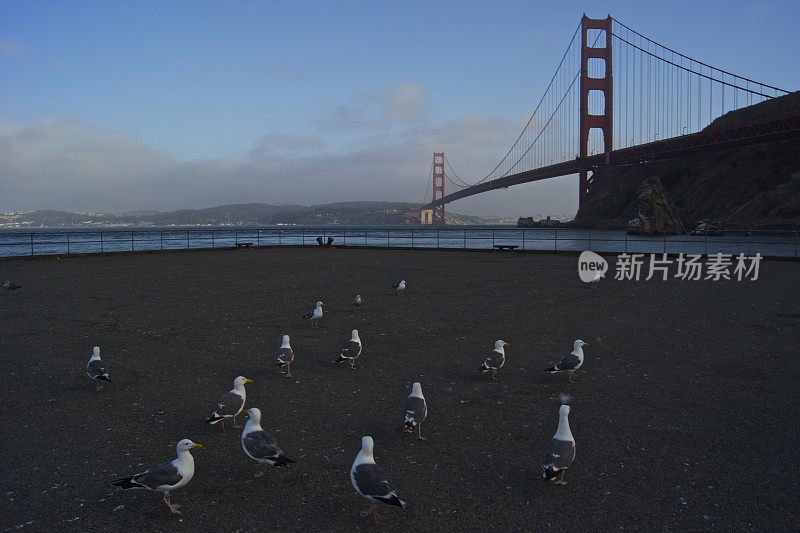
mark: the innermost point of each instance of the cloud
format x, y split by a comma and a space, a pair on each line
286, 144
391, 107
12, 48
66, 164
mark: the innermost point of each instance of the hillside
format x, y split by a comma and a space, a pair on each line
751, 186
344, 213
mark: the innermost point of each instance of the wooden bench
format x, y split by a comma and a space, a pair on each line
243, 244
502, 247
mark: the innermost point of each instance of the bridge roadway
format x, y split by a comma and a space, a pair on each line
707, 141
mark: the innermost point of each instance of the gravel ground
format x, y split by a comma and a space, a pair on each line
685, 417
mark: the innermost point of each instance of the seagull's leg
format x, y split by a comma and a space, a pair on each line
368, 511
561, 478
99, 386
494, 375
222, 426
260, 471
173, 507
376, 516
419, 432
288, 370
234, 423
352, 364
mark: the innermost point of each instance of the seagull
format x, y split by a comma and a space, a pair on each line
285, 356
399, 287
369, 480
11, 286
314, 315
495, 360
416, 410
95, 369
231, 403
570, 362
357, 301
351, 351
259, 445
167, 476
561, 451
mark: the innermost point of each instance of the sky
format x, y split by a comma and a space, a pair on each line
117, 106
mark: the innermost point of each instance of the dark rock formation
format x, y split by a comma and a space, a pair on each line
653, 211
750, 187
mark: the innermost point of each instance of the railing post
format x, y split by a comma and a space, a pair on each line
437, 238
749, 238
280, 242
555, 239
68, 243
388, 242
705, 245
235, 236
101, 242
664, 247
412, 237
465, 238
31, 243
161, 240
304, 236
132, 246
626, 241
492, 238
213, 242
523, 239
345, 237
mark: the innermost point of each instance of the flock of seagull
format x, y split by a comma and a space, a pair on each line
368, 479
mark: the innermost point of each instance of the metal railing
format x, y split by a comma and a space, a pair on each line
59, 242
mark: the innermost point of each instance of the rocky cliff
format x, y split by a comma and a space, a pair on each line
753, 186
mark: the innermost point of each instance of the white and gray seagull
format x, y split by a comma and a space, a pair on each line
561, 451
357, 301
399, 287
231, 403
495, 360
314, 315
416, 411
259, 445
167, 476
351, 350
95, 369
570, 362
285, 356
370, 482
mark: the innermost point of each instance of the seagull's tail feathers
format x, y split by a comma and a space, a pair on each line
214, 419
483, 368
104, 377
392, 499
410, 423
309, 315
128, 483
341, 359
549, 472
282, 460
552, 369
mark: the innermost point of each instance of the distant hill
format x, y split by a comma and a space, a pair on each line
753, 186
342, 213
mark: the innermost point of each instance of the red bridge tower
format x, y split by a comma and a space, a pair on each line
602, 84
438, 187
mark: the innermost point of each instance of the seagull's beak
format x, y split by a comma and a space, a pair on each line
586, 344
248, 381
506, 343
197, 445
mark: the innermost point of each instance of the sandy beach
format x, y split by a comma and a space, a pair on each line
685, 413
